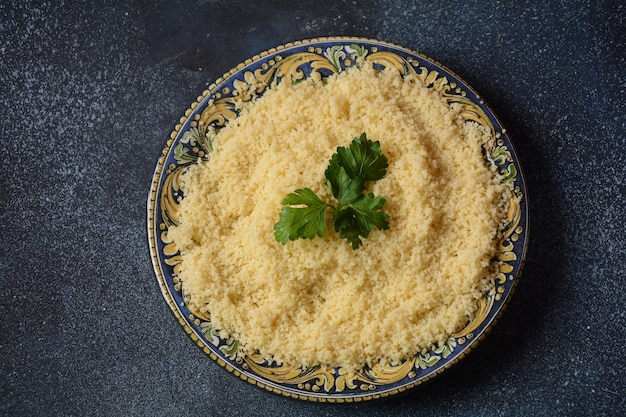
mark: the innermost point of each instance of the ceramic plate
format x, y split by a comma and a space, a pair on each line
215, 107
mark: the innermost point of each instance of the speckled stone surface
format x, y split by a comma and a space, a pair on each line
88, 96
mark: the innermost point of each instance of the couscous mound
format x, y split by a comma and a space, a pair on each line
319, 302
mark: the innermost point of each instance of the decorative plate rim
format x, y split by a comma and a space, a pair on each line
305, 391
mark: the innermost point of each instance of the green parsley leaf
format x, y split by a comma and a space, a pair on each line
305, 220
363, 159
359, 218
368, 213
345, 189
344, 224
355, 214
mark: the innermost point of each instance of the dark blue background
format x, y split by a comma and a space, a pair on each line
90, 93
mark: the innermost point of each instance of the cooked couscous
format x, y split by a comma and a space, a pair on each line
319, 302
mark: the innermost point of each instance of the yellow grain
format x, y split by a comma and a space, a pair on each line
319, 302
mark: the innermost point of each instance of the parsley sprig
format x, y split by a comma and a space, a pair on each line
355, 213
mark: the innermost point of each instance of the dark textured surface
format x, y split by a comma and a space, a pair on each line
88, 96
